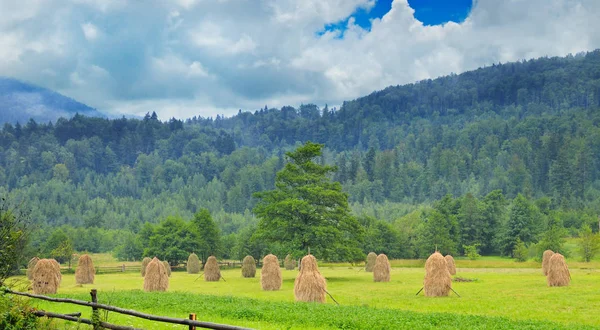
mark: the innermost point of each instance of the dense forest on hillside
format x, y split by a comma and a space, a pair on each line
483, 158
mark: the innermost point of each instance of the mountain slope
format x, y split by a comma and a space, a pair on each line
20, 101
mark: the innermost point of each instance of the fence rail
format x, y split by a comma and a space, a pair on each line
97, 324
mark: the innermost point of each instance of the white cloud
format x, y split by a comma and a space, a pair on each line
90, 31
193, 57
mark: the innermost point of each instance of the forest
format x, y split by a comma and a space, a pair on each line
491, 161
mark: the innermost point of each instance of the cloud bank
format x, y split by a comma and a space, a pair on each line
197, 57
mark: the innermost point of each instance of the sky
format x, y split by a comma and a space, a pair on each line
184, 58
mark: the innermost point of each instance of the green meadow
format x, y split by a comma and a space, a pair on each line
496, 298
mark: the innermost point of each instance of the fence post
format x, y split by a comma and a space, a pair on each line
123, 268
95, 313
192, 317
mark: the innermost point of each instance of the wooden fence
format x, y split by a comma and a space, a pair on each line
96, 323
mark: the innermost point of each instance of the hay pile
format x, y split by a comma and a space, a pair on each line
212, 273
30, 266
145, 263
289, 263
156, 277
371, 258
310, 285
85, 272
545, 259
437, 277
558, 272
167, 267
270, 275
451, 264
382, 268
248, 267
45, 277
193, 264
56, 266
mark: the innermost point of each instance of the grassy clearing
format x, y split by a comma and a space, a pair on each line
506, 298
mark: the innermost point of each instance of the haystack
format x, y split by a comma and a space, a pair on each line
310, 285
212, 273
451, 264
437, 277
56, 266
248, 267
558, 272
371, 258
382, 268
30, 266
167, 267
545, 259
45, 277
270, 274
145, 263
156, 277
193, 264
289, 263
85, 272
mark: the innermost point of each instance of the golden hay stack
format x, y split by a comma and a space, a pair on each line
289, 263
193, 264
310, 285
558, 272
44, 277
545, 259
212, 273
371, 258
30, 266
56, 266
382, 269
270, 274
145, 263
85, 272
451, 264
167, 267
437, 277
248, 267
156, 277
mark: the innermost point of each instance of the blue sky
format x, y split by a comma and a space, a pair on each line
184, 58
429, 12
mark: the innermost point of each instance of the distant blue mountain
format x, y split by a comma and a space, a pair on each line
20, 101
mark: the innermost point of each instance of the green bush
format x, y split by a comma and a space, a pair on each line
471, 251
520, 251
15, 314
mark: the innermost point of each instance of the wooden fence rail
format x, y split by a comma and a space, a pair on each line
95, 306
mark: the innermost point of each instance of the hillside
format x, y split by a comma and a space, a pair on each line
517, 136
20, 101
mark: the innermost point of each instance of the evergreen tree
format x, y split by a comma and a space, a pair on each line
309, 211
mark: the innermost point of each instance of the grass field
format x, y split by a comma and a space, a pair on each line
498, 298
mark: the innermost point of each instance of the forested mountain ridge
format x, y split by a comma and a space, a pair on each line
514, 137
20, 101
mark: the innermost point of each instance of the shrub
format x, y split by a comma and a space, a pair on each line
471, 251
520, 251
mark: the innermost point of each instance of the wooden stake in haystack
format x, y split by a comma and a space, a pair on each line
212, 273
31, 266
545, 259
270, 274
248, 267
85, 272
558, 272
438, 281
289, 263
310, 285
145, 263
371, 258
193, 264
382, 269
156, 277
45, 279
451, 264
